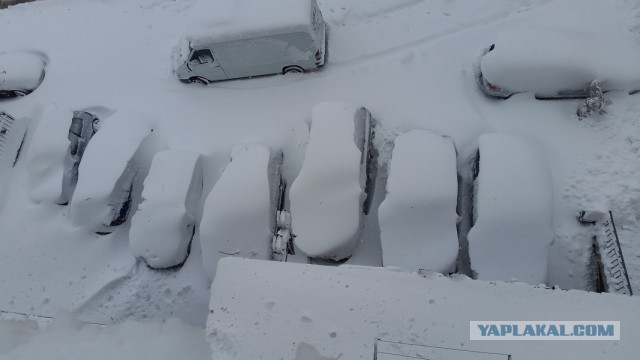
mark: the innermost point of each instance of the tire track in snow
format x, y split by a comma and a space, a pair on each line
487, 20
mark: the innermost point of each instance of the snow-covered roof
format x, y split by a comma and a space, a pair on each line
514, 206
261, 308
548, 60
326, 197
418, 215
20, 71
218, 20
239, 217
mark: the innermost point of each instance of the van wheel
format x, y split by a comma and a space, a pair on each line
199, 80
293, 70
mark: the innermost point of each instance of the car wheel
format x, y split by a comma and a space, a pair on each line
293, 70
199, 80
20, 93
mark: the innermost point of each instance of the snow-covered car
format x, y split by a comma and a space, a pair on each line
103, 195
20, 73
558, 64
512, 210
333, 189
418, 215
239, 215
162, 228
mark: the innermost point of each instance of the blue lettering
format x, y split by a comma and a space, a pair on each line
505, 329
540, 330
553, 330
578, 330
608, 331
483, 329
493, 330
529, 331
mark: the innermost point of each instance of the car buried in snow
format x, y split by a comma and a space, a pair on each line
334, 188
512, 210
558, 64
20, 73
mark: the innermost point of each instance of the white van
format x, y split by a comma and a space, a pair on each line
253, 38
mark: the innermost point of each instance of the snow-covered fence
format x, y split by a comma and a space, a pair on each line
394, 350
12, 134
612, 268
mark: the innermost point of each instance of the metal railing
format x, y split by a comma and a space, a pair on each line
396, 350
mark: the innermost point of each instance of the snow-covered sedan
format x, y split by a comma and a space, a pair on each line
20, 73
328, 197
559, 64
162, 229
512, 210
239, 215
418, 215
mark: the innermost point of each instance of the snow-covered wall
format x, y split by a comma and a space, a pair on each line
262, 309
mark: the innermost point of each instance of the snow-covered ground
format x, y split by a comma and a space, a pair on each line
410, 62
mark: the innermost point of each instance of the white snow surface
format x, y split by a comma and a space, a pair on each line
68, 339
238, 217
512, 233
326, 197
418, 215
45, 158
225, 20
20, 70
548, 60
105, 160
413, 67
163, 226
339, 311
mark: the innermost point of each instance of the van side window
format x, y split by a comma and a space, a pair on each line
202, 56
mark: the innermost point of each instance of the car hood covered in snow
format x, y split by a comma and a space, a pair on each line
547, 61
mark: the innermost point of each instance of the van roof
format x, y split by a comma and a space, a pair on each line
220, 20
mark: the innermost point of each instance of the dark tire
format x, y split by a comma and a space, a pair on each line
199, 80
20, 93
294, 69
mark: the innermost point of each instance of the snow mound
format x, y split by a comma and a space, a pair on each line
239, 214
418, 215
20, 71
513, 206
327, 195
105, 175
212, 21
549, 60
162, 228
47, 153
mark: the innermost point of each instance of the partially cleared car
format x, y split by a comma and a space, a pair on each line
20, 73
556, 64
333, 190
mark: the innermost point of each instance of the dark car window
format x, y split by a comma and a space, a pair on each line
203, 56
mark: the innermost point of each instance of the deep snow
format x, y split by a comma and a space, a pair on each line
410, 62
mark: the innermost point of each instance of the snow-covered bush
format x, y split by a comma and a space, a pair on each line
595, 103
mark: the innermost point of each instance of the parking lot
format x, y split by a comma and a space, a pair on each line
412, 64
